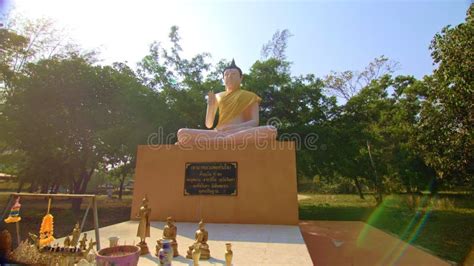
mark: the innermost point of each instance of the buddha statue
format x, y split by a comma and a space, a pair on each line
169, 233
238, 115
143, 230
200, 237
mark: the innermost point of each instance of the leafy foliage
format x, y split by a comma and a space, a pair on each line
447, 116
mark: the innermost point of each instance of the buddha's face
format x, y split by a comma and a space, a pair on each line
232, 78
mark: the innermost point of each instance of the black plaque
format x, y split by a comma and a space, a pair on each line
216, 178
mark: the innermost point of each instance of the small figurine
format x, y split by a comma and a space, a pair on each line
83, 242
169, 233
200, 237
67, 242
228, 254
144, 225
91, 245
76, 233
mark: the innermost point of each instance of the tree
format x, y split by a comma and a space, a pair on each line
276, 47
180, 83
11, 44
445, 131
363, 136
407, 164
348, 83
136, 109
69, 116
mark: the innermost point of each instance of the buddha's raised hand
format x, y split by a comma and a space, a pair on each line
211, 98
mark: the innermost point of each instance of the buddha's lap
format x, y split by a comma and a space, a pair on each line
217, 132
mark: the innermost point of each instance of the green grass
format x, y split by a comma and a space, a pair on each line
447, 230
8, 185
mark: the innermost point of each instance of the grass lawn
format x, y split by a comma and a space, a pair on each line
444, 226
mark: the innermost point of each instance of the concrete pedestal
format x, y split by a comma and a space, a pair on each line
266, 184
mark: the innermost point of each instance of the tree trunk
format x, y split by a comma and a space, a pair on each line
55, 188
76, 202
122, 180
378, 183
413, 201
80, 188
33, 187
434, 186
45, 188
20, 187
359, 189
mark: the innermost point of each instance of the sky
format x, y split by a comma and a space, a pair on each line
327, 35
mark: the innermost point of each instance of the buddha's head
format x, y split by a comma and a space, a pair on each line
145, 201
232, 76
201, 224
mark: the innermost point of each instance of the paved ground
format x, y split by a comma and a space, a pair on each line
356, 243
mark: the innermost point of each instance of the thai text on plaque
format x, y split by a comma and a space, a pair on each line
210, 178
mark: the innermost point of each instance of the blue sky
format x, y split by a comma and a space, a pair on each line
328, 35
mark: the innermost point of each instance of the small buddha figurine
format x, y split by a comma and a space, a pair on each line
83, 242
91, 245
76, 233
238, 115
200, 237
143, 230
67, 242
169, 233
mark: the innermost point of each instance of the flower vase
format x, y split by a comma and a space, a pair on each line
166, 253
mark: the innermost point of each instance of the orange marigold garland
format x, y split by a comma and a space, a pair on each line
47, 228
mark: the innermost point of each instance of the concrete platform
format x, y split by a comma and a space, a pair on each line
312, 243
251, 244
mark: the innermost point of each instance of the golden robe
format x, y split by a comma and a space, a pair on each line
144, 225
234, 103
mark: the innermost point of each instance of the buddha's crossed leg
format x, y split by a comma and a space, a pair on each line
188, 136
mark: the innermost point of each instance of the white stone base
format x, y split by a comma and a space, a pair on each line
251, 244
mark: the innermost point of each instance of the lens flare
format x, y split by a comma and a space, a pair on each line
409, 234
